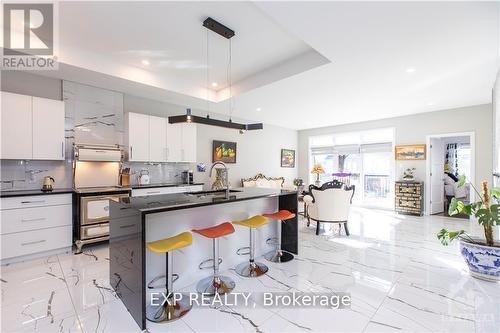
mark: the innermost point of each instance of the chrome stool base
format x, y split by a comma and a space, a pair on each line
215, 285
169, 310
278, 256
255, 269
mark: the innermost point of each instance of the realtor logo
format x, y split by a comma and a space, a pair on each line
28, 36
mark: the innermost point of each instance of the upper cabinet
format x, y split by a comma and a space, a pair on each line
153, 139
147, 137
32, 128
181, 143
188, 153
48, 129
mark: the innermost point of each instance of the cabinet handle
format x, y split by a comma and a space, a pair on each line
33, 220
62, 149
32, 243
131, 156
32, 201
153, 192
127, 226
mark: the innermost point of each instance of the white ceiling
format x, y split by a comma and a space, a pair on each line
304, 64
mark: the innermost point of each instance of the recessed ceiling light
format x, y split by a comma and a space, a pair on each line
430, 103
258, 109
145, 62
214, 84
410, 70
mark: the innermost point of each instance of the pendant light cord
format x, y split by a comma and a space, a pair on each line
208, 76
229, 78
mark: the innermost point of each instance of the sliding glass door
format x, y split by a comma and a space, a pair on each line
358, 159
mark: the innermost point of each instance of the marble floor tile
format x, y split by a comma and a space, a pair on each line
398, 275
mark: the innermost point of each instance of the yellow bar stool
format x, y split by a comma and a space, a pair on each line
252, 268
170, 309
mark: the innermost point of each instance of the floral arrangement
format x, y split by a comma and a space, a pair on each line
318, 169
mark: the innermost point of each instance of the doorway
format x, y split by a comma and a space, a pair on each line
450, 156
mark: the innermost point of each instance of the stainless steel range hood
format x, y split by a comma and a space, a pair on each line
98, 153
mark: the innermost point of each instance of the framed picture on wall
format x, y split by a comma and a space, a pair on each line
287, 158
224, 151
410, 152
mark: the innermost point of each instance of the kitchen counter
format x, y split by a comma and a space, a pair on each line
176, 201
21, 193
153, 185
138, 220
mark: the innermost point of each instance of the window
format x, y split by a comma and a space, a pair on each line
463, 160
364, 159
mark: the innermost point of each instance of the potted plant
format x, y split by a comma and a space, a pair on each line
482, 256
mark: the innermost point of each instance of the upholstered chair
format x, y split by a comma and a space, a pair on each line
329, 203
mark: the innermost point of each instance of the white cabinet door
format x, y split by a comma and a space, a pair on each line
188, 143
157, 139
16, 127
174, 142
48, 129
138, 137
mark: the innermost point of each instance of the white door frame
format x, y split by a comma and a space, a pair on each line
472, 137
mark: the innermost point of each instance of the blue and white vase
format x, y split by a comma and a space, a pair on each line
483, 261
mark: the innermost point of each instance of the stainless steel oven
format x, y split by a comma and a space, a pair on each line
93, 214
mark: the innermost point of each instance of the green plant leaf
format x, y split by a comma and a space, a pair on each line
461, 181
484, 217
495, 192
456, 207
446, 237
495, 212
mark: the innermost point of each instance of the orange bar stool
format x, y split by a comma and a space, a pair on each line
215, 284
279, 255
171, 309
252, 268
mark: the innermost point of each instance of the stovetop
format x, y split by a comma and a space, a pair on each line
99, 189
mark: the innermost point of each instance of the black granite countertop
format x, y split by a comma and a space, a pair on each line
153, 185
176, 201
21, 193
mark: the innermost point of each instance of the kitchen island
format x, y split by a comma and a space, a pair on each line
135, 221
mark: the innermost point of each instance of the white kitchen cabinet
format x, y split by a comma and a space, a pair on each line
138, 137
32, 225
16, 127
157, 139
32, 128
174, 142
188, 143
147, 138
48, 129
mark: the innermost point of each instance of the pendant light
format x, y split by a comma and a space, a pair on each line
222, 30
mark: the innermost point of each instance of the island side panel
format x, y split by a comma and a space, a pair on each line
127, 259
290, 229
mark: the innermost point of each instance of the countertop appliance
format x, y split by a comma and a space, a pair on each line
48, 183
96, 181
187, 177
144, 178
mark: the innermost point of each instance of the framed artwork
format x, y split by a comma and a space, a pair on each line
287, 158
224, 151
410, 152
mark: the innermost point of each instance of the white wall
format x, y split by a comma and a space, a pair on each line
413, 129
257, 151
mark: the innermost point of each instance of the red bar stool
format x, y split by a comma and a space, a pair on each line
279, 255
215, 284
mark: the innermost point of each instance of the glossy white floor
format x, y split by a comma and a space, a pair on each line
399, 276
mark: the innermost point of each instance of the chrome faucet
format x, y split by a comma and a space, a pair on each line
226, 175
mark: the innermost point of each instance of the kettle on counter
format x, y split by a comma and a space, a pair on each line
144, 177
48, 183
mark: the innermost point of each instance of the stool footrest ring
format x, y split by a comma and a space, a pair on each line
151, 283
203, 264
243, 251
272, 241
